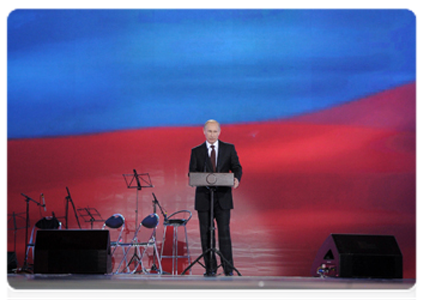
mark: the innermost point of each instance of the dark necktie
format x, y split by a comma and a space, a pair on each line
213, 158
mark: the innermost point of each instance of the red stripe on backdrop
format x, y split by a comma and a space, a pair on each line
302, 181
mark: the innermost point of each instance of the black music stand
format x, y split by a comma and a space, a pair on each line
137, 181
89, 215
13, 218
211, 180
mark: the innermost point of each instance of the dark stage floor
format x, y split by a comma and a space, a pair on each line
198, 287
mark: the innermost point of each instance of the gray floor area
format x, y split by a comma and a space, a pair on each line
194, 287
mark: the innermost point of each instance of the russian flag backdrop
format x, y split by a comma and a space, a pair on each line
320, 104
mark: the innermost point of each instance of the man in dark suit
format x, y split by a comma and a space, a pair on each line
215, 156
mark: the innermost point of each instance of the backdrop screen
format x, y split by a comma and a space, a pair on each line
320, 105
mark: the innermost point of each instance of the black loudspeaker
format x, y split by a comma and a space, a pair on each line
12, 262
358, 256
72, 251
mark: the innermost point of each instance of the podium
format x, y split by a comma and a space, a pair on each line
211, 181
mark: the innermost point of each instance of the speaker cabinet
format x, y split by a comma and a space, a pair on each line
12, 262
72, 251
358, 256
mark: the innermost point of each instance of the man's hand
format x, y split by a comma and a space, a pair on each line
236, 183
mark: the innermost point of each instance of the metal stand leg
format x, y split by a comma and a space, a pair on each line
211, 250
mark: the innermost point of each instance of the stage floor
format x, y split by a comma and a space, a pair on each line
194, 287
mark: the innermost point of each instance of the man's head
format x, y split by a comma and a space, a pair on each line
212, 131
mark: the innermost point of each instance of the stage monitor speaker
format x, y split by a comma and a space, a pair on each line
72, 251
12, 262
358, 256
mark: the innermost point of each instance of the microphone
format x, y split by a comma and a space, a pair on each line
44, 201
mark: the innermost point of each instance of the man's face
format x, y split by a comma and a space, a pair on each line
212, 131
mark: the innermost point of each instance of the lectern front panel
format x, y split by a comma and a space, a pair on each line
211, 179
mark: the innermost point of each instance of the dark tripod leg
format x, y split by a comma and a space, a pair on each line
195, 261
211, 250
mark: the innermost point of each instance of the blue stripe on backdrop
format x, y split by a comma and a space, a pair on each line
87, 71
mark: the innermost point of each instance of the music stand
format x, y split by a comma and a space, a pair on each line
12, 218
211, 180
137, 181
91, 213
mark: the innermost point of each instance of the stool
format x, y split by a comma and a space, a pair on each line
176, 223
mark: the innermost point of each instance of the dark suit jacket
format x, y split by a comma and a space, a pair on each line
227, 161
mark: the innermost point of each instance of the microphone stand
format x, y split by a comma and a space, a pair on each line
27, 200
156, 202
